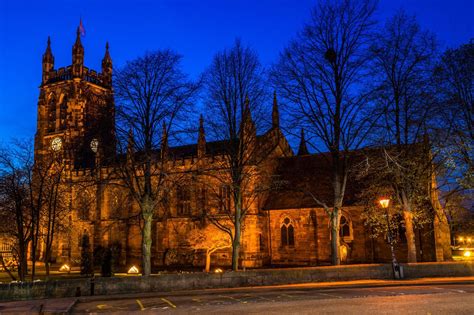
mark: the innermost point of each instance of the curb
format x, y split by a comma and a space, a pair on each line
313, 285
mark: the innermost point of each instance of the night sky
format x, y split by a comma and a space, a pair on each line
194, 28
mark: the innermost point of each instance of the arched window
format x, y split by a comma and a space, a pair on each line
84, 204
224, 199
287, 233
51, 112
118, 200
183, 195
345, 229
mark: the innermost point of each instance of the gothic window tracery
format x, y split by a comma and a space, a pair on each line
183, 195
63, 113
51, 113
345, 229
117, 200
287, 233
224, 198
202, 199
84, 205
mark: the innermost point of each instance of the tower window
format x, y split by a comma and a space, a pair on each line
287, 233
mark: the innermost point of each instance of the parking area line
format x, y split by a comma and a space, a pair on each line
331, 295
168, 302
233, 298
142, 308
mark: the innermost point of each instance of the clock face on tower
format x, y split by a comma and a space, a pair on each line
56, 144
94, 145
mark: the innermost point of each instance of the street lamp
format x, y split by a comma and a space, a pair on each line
397, 274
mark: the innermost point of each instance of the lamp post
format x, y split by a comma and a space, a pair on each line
397, 273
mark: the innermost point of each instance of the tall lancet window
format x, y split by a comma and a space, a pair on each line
287, 233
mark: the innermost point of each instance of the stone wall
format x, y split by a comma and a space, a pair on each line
312, 240
193, 281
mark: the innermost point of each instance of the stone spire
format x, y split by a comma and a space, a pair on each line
303, 149
247, 113
247, 122
201, 147
275, 113
107, 66
77, 55
48, 61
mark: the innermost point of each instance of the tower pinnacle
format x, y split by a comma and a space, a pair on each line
48, 61
107, 66
303, 149
77, 55
201, 138
275, 113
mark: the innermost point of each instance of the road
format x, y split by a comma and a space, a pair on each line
413, 299
418, 296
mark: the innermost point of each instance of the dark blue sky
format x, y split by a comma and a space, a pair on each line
194, 28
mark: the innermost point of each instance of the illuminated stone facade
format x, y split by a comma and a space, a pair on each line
76, 119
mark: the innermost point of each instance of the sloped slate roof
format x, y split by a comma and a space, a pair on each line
298, 177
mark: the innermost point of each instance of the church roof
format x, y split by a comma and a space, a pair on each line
298, 177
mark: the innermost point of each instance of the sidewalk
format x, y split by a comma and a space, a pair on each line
61, 305
64, 305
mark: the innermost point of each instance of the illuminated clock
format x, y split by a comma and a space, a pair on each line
56, 144
94, 145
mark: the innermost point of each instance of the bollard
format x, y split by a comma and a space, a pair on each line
92, 286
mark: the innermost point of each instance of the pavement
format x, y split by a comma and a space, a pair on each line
415, 296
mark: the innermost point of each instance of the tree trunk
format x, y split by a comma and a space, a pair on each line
23, 260
146, 236
335, 259
410, 236
236, 248
208, 261
46, 265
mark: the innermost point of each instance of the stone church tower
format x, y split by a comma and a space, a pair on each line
75, 109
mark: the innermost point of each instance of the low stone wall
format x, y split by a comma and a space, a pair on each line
190, 281
435, 269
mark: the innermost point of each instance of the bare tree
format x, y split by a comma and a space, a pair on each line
454, 78
403, 58
55, 208
152, 93
234, 101
14, 201
210, 239
320, 74
30, 194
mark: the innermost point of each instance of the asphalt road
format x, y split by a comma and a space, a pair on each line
300, 299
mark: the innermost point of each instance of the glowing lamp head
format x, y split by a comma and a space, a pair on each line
461, 239
469, 240
133, 270
384, 203
467, 254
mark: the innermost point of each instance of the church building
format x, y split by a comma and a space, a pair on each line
282, 227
